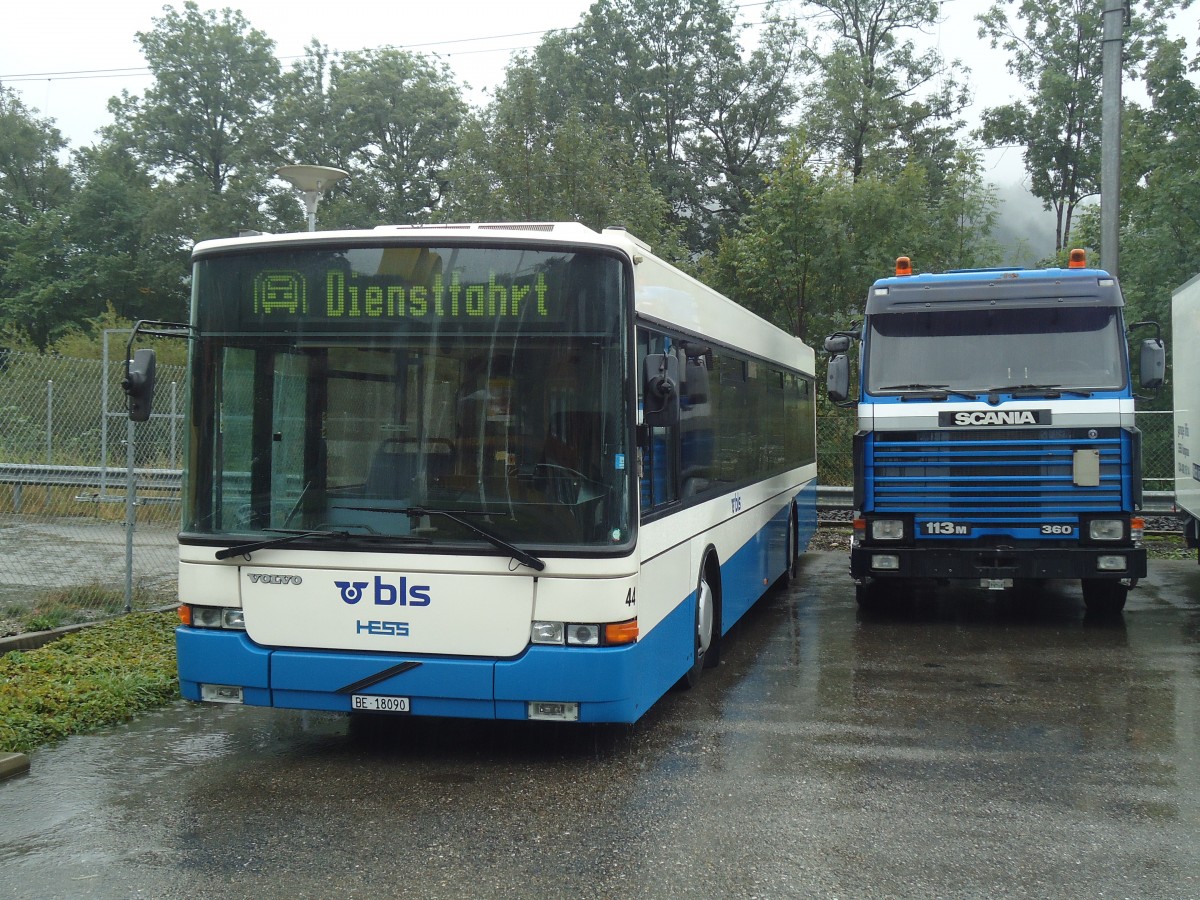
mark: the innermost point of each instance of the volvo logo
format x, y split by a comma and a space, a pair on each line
264, 578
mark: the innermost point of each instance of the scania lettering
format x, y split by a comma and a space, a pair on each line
996, 443
518, 471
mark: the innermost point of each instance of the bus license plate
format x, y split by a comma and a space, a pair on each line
372, 703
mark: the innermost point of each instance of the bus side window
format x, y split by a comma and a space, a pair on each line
658, 445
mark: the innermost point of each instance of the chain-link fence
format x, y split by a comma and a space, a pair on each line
72, 548
72, 545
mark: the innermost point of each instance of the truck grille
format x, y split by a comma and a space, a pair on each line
1012, 479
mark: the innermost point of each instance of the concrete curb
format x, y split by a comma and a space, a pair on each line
13, 764
31, 640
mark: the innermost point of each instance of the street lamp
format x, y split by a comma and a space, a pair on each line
311, 182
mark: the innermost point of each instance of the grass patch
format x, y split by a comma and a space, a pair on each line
100, 676
86, 603
1167, 546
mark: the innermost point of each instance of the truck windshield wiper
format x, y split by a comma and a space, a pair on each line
458, 515
1049, 391
287, 537
941, 390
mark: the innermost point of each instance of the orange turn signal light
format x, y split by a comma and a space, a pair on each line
185, 614
621, 632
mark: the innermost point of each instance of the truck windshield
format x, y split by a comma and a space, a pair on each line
975, 351
339, 390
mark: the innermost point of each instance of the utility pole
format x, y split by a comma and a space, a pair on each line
1116, 18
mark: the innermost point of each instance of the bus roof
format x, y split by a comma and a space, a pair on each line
508, 232
664, 294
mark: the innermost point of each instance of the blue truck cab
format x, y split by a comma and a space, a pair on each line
995, 440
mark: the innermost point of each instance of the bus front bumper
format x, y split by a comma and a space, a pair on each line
608, 684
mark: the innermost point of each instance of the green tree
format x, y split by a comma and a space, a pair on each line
131, 246
35, 187
744, 103
1057, 55
397, 114
203, 123
667, 79
1160, 233
32, 178
34, 256
513, 164
876, 103
817, 237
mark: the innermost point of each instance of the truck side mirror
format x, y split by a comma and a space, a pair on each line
660, 380
837, 378
837, 343
1152, 363
139, 384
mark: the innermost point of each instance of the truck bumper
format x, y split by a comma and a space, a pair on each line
980, 563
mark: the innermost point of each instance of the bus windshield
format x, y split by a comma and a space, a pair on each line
976, 351
433, 395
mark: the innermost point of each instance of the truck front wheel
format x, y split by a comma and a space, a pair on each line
1103, 596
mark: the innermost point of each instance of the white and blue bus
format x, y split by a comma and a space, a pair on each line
489, 471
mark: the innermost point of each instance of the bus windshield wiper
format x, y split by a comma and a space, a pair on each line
249, 547
286, 537
459, 516
941, 391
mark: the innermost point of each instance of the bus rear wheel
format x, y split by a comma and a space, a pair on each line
1103, 596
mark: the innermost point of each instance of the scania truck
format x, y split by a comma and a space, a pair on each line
995, 440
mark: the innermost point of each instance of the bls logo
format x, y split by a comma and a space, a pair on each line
386, 594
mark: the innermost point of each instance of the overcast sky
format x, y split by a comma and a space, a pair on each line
68, 57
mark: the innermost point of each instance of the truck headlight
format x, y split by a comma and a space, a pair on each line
887, 529
1106, 529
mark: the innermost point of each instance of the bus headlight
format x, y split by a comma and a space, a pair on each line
212, 617
547, 633
584, 634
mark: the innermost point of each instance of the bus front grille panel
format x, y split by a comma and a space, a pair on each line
1009, 478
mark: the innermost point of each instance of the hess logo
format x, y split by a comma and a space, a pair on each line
384, 593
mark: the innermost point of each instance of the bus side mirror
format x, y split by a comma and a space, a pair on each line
139, 384
660, 380
837, 378
1153, 363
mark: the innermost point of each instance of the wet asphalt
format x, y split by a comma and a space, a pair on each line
966, 745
